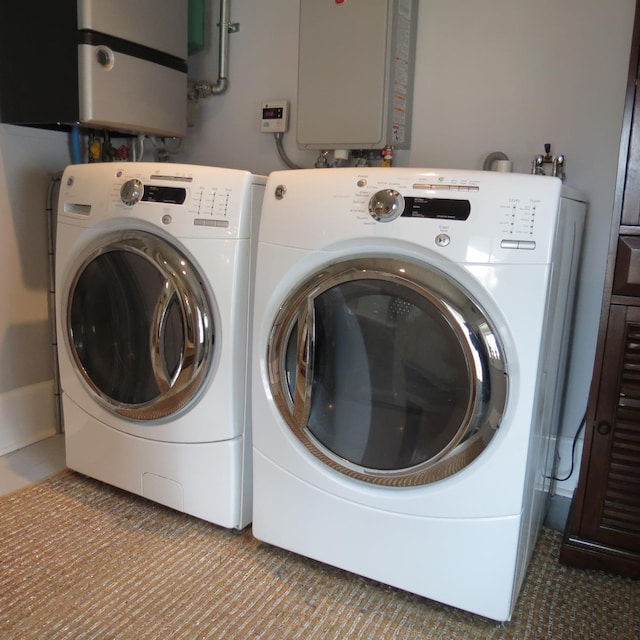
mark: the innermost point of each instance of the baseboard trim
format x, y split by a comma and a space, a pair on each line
27, 415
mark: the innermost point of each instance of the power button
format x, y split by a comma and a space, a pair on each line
442, 240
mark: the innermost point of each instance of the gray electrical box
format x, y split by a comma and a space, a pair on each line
355, 73
108, 64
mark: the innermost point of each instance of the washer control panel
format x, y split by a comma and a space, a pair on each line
208, 201
186, 200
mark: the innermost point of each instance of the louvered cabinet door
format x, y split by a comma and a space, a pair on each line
606, 521
613, 483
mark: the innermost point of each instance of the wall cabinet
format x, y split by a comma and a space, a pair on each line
603, 529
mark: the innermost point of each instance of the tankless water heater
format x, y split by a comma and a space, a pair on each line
107, 64
355, 73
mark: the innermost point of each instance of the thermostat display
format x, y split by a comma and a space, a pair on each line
275, 117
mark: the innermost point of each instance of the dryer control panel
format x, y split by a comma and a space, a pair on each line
467, 216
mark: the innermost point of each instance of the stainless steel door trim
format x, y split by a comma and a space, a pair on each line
304, 368
161, 373
478, 340
182, 284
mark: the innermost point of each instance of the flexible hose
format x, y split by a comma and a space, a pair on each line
282, 153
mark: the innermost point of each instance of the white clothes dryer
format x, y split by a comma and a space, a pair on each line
154, 267
410, 346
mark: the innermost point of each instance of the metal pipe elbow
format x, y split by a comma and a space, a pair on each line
492, 157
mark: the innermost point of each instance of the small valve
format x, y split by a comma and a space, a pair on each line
95, 150
122, 152
548, 164
387, 157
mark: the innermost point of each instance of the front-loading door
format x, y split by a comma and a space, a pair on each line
139, 326
387, 370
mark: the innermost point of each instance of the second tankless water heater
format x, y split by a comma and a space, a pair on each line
355, 73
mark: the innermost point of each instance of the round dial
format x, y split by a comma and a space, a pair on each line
131, 191
386, 205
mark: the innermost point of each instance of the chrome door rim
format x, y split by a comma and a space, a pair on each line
478, 338
184, 284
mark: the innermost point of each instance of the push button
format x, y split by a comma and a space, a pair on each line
442, 239
518, 244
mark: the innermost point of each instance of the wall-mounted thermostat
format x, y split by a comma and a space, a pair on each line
275, 117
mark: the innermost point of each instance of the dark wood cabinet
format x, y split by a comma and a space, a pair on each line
603, 529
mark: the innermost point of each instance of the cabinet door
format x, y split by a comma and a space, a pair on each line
631, 193
611, 513
630, 140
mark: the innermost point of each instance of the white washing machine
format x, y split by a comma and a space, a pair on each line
410, 346
153, 277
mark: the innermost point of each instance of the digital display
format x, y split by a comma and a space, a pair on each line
438, 208
271, 113
166, 195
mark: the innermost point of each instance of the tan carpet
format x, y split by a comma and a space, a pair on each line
80, 560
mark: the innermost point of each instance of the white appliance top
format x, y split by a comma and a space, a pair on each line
186, 200
467, 216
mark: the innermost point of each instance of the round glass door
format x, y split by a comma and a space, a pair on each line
388, 371
140, 326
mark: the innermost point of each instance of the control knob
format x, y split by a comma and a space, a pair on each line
386, 205
131, 191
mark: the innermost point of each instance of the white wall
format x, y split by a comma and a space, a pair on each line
505, 75
28, 158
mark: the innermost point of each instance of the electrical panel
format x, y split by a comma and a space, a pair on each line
109, 64
355, 75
